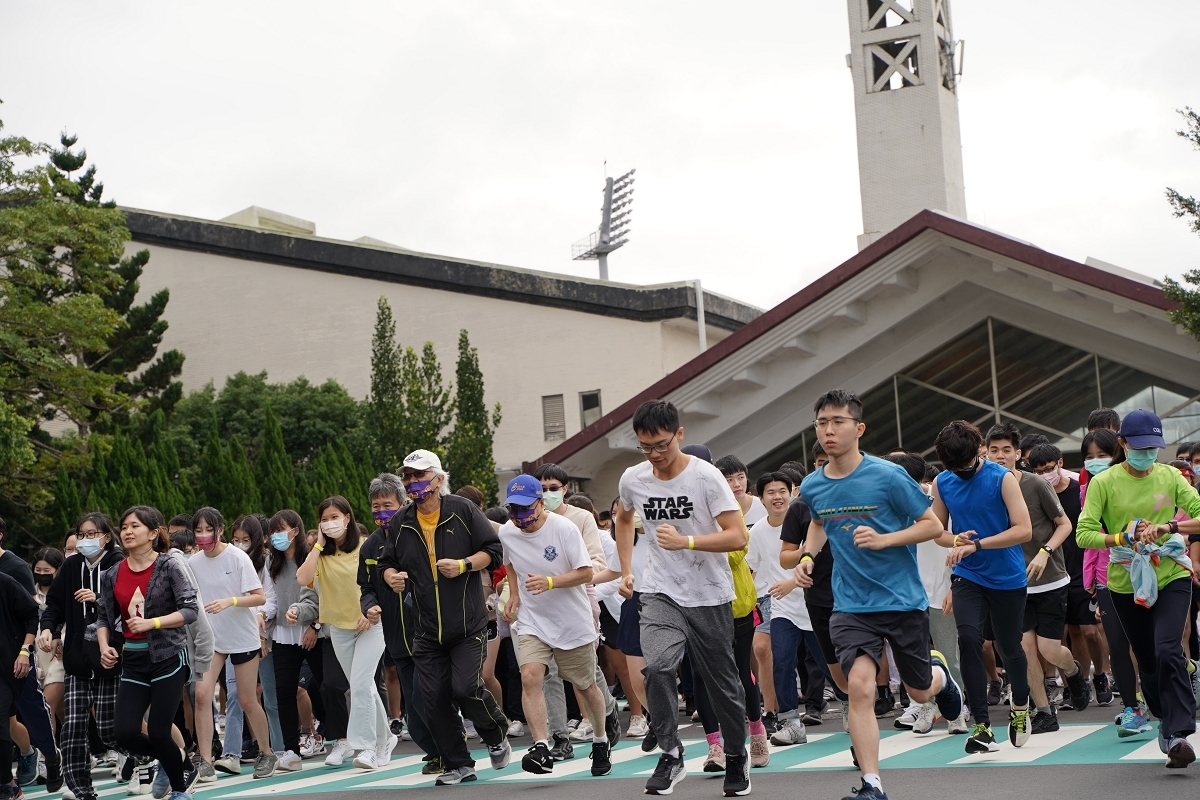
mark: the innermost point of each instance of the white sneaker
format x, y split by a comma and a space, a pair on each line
909, 716
791, 731
366, 760
927, 714
338, 754
311, 746
958, 726
289, 762
67, 794
470, 728
230, 765
583, 733
515, 728
638, 728
383, 753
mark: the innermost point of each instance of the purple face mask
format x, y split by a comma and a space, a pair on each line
523, 519
419, 490
384, 515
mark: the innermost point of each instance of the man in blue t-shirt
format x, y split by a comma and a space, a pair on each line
873, 515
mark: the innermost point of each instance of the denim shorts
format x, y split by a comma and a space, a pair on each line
764, 611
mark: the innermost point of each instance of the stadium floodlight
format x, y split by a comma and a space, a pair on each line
614, 231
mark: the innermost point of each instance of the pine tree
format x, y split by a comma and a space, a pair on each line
469, 446
97, 498
125, 485
68, 506
386, 402
430, 405
243, 495
276, 478
215, 472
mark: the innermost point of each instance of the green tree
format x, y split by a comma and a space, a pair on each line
1186, 207
215, 471
243, 496
68, 505
469, 446
276, 478
430, 404
386, 402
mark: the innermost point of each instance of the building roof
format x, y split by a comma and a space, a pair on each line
380, 261
1062, 272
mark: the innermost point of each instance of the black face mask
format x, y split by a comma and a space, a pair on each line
43, 579
967, 474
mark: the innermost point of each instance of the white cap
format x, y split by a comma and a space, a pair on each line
422, 460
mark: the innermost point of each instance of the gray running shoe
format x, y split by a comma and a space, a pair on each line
265, 764
452, 777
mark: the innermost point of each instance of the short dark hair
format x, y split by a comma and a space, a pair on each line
912, 463
1104, 418
1032, 440
183, 539
796, 475
581, 500
795, 466
772, 477
1000, 432
496, 514
210, 515
1044, 454
51, 555
817, 450
1183, 449
1193, 450
152, 518
183, 520
839, 398
931, 472
472, 494
730, 465
1105, 440
102, 523
653, 416
958, 444
554, 472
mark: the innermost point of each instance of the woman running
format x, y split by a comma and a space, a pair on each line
46, 563
145, 602
1149, 571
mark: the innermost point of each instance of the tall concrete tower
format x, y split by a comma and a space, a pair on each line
906, 108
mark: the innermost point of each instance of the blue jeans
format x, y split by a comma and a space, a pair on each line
233, 708
785, 645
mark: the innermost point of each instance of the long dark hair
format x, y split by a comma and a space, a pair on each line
152, 518
249, 524
102, 523
349, 541
1107, 442
210, 515
283, 521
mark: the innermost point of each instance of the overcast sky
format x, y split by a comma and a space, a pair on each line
480, 130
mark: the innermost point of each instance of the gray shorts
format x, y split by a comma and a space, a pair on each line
906, 631
764, 611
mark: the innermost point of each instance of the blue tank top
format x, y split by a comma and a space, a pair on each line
978, 505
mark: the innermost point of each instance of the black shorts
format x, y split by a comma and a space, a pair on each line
629, 629
743, 626
1080, 610
241, 658
306, 676
1046, 613
906, 631
608, 627
819, 617
492, 630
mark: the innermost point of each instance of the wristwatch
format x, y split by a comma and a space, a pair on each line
1173, 526
1049, 550
316, 626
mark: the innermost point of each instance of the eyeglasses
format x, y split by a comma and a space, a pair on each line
513, 508
552, 488
412, 476
836, 422
92, 534
647, 449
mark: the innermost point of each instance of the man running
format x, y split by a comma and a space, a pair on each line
872, 514
687, 588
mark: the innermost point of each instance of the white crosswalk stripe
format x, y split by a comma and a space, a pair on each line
322, 775
1038, 746
888, 747
562, 770
1150, 752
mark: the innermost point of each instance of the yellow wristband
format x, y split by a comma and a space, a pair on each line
691, 543
549, 583
462, 566
157, 623
320, 548
234, 599
806, 555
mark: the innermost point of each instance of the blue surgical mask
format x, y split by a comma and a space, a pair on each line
88, 548
1095, 466
281, 541
1142, 460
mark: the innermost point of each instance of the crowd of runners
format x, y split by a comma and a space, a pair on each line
175, 650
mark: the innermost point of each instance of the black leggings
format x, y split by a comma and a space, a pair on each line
1005, 608
9, 690
288, 659
157, 685
743, 648
1118, 649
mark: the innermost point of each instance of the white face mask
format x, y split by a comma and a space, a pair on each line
334, 528
243, 546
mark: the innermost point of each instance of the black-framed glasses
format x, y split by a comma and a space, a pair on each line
93, 534
647, 449
836, 422
513, 508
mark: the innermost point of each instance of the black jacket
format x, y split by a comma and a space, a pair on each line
62, 608
448, 609
397, 615
19, 619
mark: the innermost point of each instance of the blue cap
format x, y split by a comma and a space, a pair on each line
523, 490
1141, 429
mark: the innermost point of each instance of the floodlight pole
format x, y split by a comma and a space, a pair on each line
700, 315
605, 227
614, 230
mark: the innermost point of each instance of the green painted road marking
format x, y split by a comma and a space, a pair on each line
1071, 745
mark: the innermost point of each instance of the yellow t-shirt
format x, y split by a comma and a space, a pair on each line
337, 587
428, 526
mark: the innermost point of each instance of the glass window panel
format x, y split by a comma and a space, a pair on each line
879, 413
1125, 389
1025, 359
923, 414
1063, 403
962, 366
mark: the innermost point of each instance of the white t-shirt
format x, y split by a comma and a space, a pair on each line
935, 575
757, 511
562, 618
609, 593
230, 574
763, 559
691, 502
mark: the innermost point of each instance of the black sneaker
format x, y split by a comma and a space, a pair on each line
601, 764
995, 693
1077, 685
562, 749
885, 705
191, 774
54, 774
612, 728
670, 771
1044, 723
812, 718
650, 740
866, 792
1104, 692
770, 721
737, 775
433, 766
539, 761
981, 739
396, 726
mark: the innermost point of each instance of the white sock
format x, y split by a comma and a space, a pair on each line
673, 752
543, 741
873, 780
600, 738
